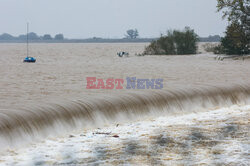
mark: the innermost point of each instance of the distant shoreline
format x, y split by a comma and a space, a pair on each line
82, 41
100, 40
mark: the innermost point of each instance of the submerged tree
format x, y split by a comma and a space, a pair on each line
174, 43
185, 41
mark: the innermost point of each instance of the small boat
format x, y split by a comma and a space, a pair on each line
123, 54
28, 59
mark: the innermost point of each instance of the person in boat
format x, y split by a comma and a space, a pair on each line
122, 54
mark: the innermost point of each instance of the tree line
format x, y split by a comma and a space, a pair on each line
31, 36
132, 35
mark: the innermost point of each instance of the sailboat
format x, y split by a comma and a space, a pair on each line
28, 59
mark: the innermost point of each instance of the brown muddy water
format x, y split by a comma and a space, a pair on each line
50, 97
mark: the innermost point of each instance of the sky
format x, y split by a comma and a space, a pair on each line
109, 18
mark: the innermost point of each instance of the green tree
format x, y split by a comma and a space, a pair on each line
6, 36
185, 41
132, 33
47, 37
33, 36
237, 39
174, 43
59, 37
234, 10
167, 44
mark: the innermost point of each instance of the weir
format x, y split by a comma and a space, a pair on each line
38, 122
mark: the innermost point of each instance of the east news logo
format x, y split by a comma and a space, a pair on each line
131, 83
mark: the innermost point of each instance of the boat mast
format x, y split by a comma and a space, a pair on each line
27, 39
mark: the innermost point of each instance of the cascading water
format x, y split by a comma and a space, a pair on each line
36, 122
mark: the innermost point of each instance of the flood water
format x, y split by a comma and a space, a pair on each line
50, 96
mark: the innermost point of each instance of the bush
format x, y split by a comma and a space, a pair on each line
154, 49
176, 42
209, 47
219, 49
216, 48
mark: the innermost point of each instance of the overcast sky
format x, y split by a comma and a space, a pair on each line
109, 18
